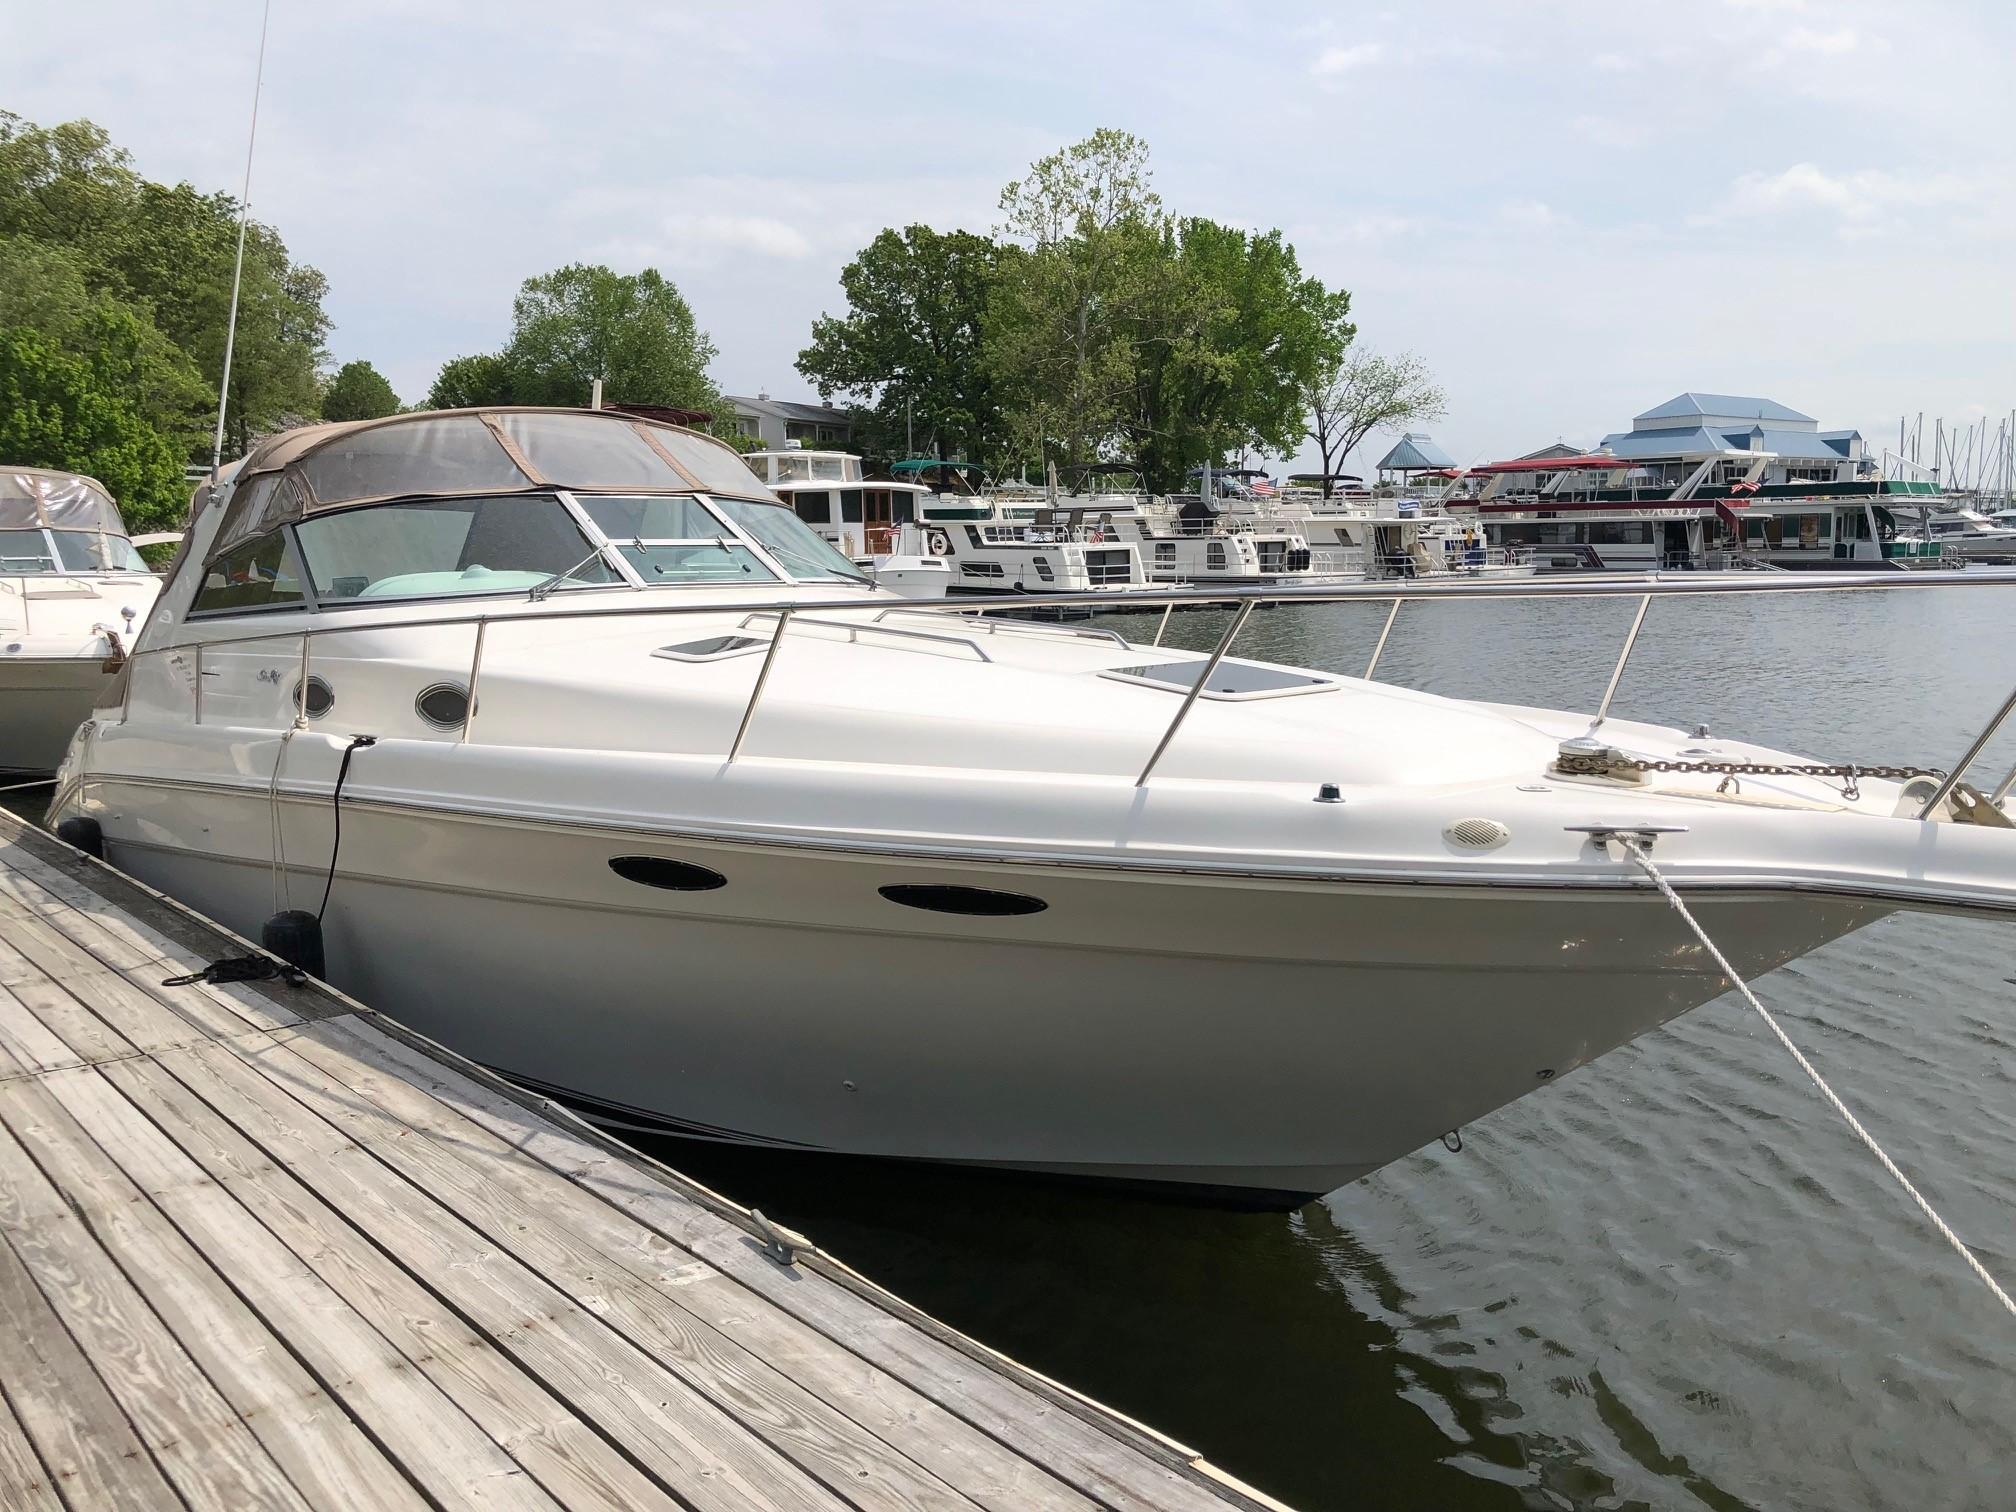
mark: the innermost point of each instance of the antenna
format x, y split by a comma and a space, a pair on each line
238, 268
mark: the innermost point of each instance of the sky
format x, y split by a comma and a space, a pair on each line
1570, 210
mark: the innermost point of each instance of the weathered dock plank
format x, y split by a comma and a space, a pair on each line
262, 1247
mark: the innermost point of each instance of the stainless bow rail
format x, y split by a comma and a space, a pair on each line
817, 608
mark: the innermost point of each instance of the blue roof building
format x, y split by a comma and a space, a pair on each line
1743, 437
1415, 452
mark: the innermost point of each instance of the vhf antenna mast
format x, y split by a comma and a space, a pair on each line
238, 268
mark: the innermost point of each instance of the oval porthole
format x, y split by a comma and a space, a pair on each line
444, 705
979, 901
321, 697
661, 871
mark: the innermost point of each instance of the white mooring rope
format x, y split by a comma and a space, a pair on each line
1960, 1248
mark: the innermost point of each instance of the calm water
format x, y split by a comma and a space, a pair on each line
1671, 1279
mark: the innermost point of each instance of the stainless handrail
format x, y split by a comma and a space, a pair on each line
1379, 648
762, 677
301, 689
854, 631
475, 672
1196, 688
2002, 788
1612, 585
996, 626
1952, 778
1243, 600
1617, 672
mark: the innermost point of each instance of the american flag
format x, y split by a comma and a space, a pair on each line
1264, 487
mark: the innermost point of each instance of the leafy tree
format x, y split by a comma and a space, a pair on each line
912, 343
46, 288
64, 184
1226, 337
471, 382
1085, 231
358, 392
56, 411
176, 254
1362, 392
633, 331
164, 254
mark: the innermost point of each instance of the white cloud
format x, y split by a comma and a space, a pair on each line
1333, 61
1530, 215
1834, 43
1608, 131
737, 233
1865, 195
1362, 230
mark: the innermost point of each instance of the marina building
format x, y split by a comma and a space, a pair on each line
1719, 438
776, 421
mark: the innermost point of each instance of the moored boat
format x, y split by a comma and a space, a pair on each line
651, 799
71, 589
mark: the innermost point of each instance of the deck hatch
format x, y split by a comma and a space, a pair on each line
713, 648
1232, 680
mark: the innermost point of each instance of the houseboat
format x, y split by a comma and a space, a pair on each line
1706, 481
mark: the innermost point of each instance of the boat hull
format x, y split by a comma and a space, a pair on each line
1268, 1037
42, 701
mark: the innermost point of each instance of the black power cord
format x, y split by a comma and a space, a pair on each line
357, 742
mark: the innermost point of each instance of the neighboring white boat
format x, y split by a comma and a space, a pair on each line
864, 518
671, 812
71, 588
995, 554
1970, 534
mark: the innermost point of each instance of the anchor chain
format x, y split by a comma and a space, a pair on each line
1608, 762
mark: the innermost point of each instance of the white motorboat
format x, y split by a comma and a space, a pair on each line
651, 800
1970, 534
71, 588
865, 518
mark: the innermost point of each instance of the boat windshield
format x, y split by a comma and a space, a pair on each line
812, 469
36, 552
674, 539
799, 549
88, 551
428, 548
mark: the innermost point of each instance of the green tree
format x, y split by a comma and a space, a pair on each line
46, 288
1361, 392
165, 254
1226, 337
176, 252
64, 184
910, 349
471, 382
56, 411
358, 392
633, 331
1085, 232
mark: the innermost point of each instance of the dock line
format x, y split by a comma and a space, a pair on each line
1639, 852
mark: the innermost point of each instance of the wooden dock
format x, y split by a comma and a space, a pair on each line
261, 1247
